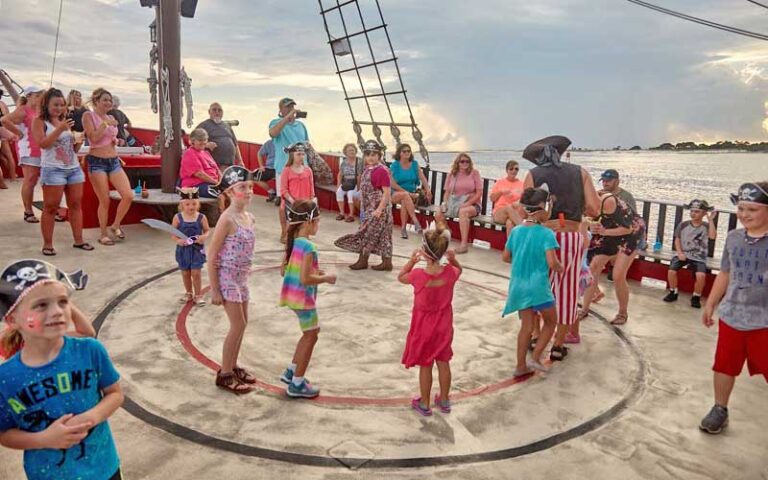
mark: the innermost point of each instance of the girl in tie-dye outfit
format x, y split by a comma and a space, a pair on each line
301, 276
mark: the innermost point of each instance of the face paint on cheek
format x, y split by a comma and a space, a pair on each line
34, 322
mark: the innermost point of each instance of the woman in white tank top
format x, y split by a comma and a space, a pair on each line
60, 172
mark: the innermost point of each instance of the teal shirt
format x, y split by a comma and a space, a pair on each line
291, 133
407, 179
529, 279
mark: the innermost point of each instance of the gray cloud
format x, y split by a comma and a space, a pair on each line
497, 74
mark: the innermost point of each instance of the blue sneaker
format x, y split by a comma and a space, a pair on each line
287, 377
305, 390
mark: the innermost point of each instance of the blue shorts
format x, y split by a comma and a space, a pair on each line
57, 176
543, 306
30, 161
103, 165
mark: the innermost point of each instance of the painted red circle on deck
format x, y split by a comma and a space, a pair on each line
183, 335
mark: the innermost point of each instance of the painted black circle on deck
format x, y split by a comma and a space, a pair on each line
186, 433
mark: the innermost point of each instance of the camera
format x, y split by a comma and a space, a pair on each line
301, 114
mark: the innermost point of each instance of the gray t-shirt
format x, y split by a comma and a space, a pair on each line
693, 239
745, 304
628, 199
224, 138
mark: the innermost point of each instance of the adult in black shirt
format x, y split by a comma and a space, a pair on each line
222, 142
122, 119
75, 109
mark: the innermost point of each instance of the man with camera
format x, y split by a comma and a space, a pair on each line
286, 130
222, 141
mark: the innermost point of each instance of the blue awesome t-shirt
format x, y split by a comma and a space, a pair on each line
32, 398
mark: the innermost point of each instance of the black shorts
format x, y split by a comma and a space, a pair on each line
265, 176
693, 265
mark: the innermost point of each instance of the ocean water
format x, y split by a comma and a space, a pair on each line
673, 177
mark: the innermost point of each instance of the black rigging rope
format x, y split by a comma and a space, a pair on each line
701, 21
758, 3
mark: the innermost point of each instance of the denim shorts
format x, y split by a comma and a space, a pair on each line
103, 165
30, 161
56, 176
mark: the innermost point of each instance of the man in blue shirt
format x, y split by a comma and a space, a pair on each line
286, 130
266, 170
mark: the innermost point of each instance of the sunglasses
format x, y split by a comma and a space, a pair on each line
463, 161
405, 151
513, 169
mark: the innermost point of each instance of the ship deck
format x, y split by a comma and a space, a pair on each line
625, 404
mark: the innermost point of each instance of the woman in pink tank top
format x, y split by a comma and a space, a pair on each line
104, 166
20, 123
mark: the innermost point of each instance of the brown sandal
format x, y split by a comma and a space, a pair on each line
340, 217
230, 383
244, 376
620, 319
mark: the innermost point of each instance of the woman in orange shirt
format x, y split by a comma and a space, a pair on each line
505, 194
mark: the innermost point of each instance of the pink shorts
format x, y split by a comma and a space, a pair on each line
736, 346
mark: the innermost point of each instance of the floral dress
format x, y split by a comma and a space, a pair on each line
234, 263
375, 234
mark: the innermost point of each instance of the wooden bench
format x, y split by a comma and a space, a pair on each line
666, 255
167, 204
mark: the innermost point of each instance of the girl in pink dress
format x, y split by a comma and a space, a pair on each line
429, 339
296, 182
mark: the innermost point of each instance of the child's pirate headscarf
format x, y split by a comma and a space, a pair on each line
297, 147
750, 193
296, 218
188, 193
18, 279
232, 175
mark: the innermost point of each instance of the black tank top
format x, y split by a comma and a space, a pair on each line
566, 184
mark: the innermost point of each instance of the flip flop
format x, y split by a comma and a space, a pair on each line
83, 246
117, 232
59, 218
107, 241
49, 252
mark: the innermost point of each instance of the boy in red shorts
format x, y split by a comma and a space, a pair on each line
741, 285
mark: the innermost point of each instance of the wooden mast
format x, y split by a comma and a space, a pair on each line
169, 42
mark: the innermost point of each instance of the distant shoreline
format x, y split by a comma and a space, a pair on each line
609, 150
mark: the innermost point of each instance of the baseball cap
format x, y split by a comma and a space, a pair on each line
609, 174
285, 102
30, 90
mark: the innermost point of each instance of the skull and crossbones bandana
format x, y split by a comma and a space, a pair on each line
232, 175
18, 278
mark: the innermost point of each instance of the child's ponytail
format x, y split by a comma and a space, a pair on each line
297, 214
224, 201
10, 342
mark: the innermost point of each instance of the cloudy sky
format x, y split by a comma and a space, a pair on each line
483, 74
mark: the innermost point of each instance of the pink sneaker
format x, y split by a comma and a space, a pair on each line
424, 411
572, 338
445, 406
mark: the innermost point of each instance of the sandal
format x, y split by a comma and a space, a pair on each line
349, 219
582, 315
30, 217
186, 298
532, 344
230, 383
106, 241
49, 251
59, 218
244, 376
558, 354
199, 301
620, 319
117, 233
340, 217
83, 246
